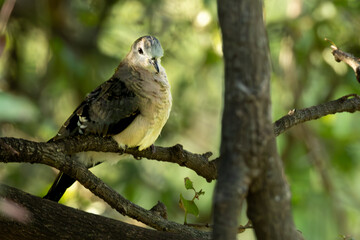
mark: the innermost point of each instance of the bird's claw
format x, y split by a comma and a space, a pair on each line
122, 149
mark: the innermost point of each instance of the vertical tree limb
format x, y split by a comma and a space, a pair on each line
250, 166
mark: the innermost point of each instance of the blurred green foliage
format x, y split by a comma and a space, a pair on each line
58, 51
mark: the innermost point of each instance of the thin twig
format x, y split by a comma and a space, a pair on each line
349, 59
297, 116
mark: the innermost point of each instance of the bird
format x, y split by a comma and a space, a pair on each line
132, 107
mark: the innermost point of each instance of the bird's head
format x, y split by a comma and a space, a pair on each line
146, 52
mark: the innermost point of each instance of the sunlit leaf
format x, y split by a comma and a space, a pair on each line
188, 183
189, 206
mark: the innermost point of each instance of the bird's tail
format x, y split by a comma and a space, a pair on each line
57, 190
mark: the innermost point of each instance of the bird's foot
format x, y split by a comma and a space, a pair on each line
122, 149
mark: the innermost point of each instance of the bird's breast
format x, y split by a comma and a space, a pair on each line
147, 126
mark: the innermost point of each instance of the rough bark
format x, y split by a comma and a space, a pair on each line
19, 150
176, 154
297, 116
37, 218
349, 59
250, 167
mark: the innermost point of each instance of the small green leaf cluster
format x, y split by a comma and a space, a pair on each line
189, 206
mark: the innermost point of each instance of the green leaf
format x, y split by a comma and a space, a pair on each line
189, 206
188, 183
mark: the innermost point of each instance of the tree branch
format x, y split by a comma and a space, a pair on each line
198, 162
54, 154
349, 59
36, 218
343, 104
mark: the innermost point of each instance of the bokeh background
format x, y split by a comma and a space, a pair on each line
55, 52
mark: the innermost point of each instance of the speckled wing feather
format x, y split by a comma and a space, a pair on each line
106, 111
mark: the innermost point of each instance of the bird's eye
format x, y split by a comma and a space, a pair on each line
140, 51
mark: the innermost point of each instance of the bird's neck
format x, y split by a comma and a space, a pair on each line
126, 69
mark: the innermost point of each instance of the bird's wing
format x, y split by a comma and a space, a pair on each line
106, 111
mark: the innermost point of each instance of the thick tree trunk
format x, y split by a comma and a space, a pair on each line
250, 167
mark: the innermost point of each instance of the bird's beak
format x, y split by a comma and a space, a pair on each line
154, 62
